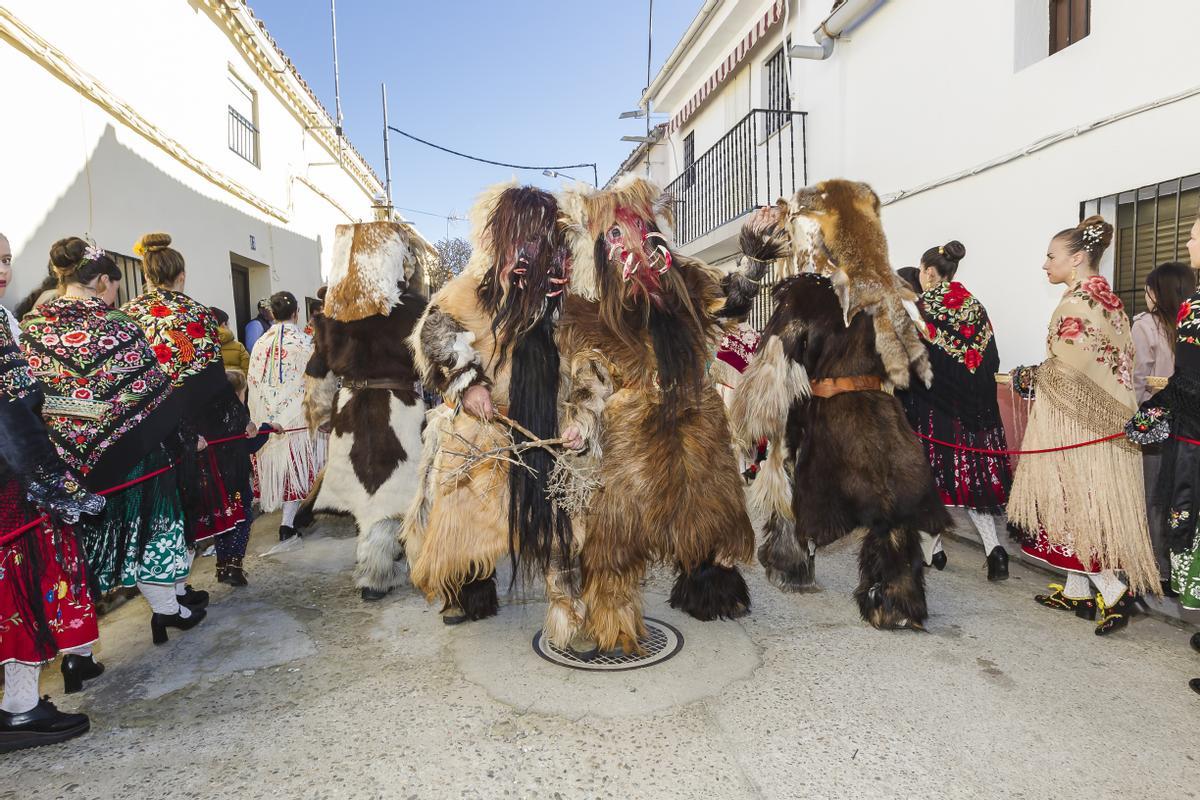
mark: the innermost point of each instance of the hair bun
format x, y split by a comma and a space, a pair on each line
954, 250
151, 242
65, 254
1096, 233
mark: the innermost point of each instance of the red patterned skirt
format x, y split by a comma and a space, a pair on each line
44, 567
1059, 556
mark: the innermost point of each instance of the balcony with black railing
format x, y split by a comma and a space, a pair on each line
243, 137
762, 158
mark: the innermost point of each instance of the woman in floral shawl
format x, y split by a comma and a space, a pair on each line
45, 605
112, 415
960, 406
1083, 510
186, 341
288, 464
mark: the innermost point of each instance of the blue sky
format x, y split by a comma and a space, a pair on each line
521, 81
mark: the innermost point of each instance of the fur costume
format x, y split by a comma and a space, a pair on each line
636, 338
375, 296
492, 326
837, 337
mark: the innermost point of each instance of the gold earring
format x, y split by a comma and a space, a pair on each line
1073, 274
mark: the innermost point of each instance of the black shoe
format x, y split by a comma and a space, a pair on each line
286, 532
938, 561
233, 574
42, 724
1084, 607
1196, 641
1167, 590
1194, 683
160, 622
997, 564
371, 595
76, 669
1116, 616
192, 598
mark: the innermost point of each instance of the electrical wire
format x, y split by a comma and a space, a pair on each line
484, 160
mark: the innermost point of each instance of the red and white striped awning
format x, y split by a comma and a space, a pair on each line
730, 65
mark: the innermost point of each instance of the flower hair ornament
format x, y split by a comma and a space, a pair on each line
91, 253
1092, 236
139, 249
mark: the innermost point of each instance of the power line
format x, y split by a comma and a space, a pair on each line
595, 176
431, 214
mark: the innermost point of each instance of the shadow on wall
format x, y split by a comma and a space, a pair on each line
129, 196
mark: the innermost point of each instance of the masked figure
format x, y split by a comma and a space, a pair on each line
486, 344
362, 385
637, 336
841, 335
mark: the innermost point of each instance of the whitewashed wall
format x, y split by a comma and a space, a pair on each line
927, 88
69, 167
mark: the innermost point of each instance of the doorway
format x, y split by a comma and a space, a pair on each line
241, 300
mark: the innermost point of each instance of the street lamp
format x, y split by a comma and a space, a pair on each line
553, 173
642, 139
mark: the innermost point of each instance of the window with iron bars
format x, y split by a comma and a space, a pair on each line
1152, 226
1070, 21
132, 278
689, 160
243, 136
778, 98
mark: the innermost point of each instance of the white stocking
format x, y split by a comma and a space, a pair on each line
84, 650
930, 546
290, 509
162, 599
986, 525
1109, 585
181, 584
1077, 586
20, 687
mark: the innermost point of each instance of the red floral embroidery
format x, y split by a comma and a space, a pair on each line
972, 359
160, 311
1184, 309
75, 338
195, 330
967, 331
1070, 328
1098, 289
162, 353
930, 331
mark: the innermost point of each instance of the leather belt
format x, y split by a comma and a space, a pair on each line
379, 383
829, 387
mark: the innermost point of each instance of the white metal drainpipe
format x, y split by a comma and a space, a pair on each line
847, 15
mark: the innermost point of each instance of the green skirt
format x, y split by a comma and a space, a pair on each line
1185, 576
149, 513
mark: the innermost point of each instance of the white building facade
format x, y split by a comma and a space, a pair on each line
996, 122
178, 116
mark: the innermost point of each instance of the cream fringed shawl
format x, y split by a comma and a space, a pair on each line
1090, 499
276, 382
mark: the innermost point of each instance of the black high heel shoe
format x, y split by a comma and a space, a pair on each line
193, 598
76, 669
997, 564
160, 622
938, 560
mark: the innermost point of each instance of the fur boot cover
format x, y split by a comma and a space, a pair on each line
375, 416
850, 454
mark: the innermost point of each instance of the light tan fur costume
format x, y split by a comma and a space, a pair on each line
669, 486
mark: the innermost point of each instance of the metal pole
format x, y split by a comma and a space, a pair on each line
337, 94
596, 180
649, 56
387, 158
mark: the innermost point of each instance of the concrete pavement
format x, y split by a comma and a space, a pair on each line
294, 688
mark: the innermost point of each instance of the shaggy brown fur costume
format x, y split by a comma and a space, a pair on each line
852, 456
635, 345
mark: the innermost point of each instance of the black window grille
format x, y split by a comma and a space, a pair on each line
132, 279
243, 136
1070, 21
689, 159
1152, 227
778, 97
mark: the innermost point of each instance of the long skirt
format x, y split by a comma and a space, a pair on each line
40, 571
140, 537
978, 481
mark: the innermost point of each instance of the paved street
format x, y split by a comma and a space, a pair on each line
293, 688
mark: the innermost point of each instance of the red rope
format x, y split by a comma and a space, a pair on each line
1022, 452
12, 535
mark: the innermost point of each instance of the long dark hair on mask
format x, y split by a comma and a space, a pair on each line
537, 530
530, 255
671, 319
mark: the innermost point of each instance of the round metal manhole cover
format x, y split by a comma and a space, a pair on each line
660, 643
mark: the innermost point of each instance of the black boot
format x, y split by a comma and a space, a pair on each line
76, 669
160, 622
938, 561
1114, 617
234, 574
286, 532
192, 598
42, 724
711, 591
997, 564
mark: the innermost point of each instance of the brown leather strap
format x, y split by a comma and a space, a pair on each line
828, 387
380, 383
